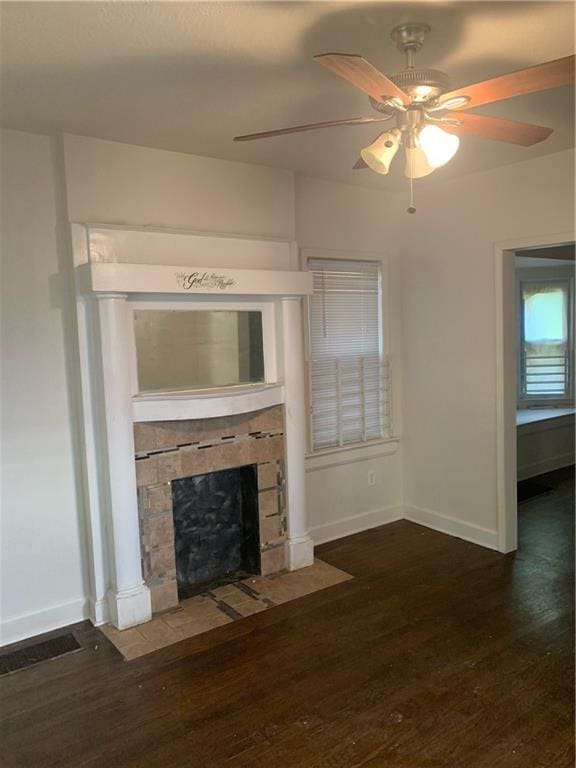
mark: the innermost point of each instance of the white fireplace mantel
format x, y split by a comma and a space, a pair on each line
206, 404
193, 280
107, 283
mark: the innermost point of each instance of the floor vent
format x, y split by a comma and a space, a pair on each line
34, 654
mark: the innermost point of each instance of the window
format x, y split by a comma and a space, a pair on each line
546, 341
349, 376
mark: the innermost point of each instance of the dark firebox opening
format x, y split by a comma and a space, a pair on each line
216, 530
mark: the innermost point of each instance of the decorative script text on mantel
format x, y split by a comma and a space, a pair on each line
197, 280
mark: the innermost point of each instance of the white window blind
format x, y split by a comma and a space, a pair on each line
349, 376
546, 346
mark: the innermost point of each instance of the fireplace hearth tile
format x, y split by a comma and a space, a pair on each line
202, 613
238, 424
159, 530
146, 472
167, 434
268, 503
250, 607
272, 560
194, 462
164, 596
270, 448
267, 475
221, 593
160, 498
233, 599
158, 633
270, 529
169, 466
228, 456
199, 627
268, 420
144, 438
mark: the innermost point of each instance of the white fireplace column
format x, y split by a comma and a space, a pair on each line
299, 547
128, 597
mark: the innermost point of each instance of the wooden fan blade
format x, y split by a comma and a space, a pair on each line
497, 129
551, 74
312, 127
363, 75
359, 165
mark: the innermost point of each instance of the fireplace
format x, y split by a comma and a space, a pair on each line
143, 435
199, 464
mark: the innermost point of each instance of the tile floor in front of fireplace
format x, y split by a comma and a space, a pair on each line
222, 605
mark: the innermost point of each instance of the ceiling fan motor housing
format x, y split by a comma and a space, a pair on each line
422, 84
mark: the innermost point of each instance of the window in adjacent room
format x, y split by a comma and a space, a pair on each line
349, 374
546, 341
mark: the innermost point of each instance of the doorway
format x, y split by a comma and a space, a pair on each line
508, 371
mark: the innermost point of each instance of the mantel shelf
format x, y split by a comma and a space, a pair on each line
104, 278
206, 403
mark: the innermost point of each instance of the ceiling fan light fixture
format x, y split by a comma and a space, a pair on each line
423, 92
438, 145
381, 152
417, 165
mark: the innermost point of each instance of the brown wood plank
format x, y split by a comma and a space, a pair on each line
439, 654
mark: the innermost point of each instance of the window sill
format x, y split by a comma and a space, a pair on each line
351, 454
543, 419
542, 413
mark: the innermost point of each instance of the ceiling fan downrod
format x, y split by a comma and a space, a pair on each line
409, 38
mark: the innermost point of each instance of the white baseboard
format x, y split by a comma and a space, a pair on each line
346, 526
546, 465
31, 624
99, 613
452, 526
58, 616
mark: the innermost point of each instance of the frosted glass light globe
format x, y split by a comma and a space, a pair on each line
438, 145
380, 153
417, 164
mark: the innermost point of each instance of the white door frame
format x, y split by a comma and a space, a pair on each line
506, 385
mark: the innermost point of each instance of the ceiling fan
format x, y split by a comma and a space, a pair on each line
428, 115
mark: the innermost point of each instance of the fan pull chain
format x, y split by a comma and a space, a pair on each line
411, 208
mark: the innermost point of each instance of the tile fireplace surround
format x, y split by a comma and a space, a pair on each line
170, 450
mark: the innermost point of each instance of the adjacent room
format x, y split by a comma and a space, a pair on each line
287, 384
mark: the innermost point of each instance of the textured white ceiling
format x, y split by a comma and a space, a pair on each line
189, 76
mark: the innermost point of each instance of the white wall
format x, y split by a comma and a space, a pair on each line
448, 321
116, 183
46, 183
339, 219
43, 584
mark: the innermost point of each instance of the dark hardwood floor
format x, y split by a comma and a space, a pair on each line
438, 654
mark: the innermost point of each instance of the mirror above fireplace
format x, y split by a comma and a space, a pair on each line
178, 350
